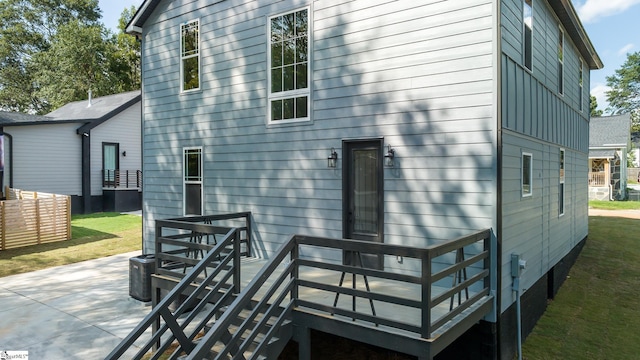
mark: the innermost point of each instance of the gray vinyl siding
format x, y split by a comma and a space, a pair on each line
123, 129
418, 74
538, 120
532, 226
46, 158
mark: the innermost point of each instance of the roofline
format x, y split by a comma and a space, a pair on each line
569, 18
43, 122
134, 27
95, 122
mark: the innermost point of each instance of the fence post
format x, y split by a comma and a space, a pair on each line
38, 236
68, 213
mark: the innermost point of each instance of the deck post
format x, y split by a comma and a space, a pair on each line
426, 295
248, 226
304, 343
236, 261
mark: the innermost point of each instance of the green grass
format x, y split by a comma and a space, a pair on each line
614, 205
93, 236
595, 313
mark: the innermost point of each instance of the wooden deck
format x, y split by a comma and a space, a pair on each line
417, 313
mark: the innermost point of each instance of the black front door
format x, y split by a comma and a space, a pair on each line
363, 213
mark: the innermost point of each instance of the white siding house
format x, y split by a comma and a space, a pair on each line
64, 152
243, 103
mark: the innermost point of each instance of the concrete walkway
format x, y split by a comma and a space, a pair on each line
630, 214
78, 311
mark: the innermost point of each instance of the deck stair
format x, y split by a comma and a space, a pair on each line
414, 313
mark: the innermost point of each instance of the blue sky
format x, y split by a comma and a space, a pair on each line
612, 25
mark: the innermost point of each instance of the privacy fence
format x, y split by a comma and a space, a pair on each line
31, 218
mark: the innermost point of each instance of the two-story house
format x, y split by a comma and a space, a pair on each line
397, 122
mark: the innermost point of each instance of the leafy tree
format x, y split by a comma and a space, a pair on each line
26, 28
624, 96
125, 63
594, 107
55, 51
77, 61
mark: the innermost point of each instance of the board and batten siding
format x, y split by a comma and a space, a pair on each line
546, 29
417, 74
47, 158
123, 129
536, 119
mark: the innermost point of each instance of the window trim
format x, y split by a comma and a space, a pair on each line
527, 46
561, 57
186, 182
581, 84
522, 183
561, 186
183, 58
296, 92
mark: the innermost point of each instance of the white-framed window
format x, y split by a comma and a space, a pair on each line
190, 56
527, 174
289, 67
561, 185
527, 21
560, 61
193, 197
580, 84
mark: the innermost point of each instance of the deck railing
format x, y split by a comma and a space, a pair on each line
122, 179
293, 282
597, 178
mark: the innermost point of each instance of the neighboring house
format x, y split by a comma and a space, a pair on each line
609, 142
480, 107
87, 149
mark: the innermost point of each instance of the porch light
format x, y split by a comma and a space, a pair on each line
332, 160
388, 157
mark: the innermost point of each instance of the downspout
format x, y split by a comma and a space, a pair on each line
10, 162
86, 170
517, 265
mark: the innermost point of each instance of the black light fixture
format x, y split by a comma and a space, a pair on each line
332, 160
388, 157
124, 153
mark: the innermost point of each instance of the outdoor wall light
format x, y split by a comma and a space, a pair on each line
332, 160
388, 157
124, 153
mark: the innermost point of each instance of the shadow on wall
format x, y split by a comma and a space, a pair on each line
443, 182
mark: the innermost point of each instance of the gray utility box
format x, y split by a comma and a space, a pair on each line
140, 269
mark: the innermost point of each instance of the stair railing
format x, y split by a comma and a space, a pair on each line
213, 280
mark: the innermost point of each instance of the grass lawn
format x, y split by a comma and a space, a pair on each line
614, 205
93, 236
595, 314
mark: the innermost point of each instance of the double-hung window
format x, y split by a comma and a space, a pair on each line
580, 84
289, 67
560, 61
527, 20
192, 184
561, 186
190, 56
527, 174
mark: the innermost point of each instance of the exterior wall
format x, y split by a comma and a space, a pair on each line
123, 129
46, 158
418, 74
538, 120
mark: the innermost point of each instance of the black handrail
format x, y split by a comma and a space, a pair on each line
286, 293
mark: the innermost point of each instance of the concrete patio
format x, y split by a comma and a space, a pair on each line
78, 311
